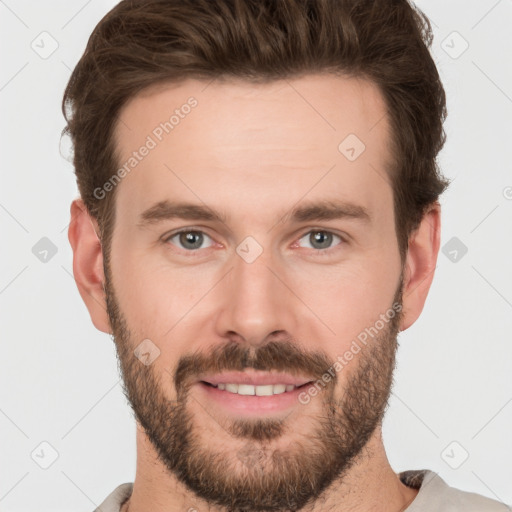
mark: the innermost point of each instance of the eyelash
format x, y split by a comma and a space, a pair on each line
318, 252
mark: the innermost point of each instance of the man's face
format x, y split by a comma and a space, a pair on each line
262, 293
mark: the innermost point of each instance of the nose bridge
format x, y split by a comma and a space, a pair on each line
255, 300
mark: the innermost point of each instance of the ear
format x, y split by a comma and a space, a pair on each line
420, 264
88, 263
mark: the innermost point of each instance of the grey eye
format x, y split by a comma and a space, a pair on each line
189, 240
320, 239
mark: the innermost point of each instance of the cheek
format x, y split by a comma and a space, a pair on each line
177, 308
162, 303
158, 295
155, 302
348, 299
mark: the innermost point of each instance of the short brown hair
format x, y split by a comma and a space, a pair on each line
140, 43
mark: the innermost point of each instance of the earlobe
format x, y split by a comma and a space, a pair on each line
88, 263
420, 264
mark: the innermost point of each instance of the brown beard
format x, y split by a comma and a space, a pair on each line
256, 477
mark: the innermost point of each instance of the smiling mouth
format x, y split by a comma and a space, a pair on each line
249, 389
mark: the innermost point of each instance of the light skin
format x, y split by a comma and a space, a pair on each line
255, 153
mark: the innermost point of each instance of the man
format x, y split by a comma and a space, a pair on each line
258, 220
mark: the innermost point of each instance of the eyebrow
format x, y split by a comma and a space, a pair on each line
311, 211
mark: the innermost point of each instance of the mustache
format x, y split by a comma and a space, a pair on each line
282, 356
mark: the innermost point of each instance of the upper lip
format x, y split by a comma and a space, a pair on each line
254, 378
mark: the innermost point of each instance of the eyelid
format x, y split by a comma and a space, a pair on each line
167, 237
322, 230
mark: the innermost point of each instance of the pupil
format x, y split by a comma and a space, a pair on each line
188, 238
320, 236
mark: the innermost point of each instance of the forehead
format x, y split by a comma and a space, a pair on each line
254, 146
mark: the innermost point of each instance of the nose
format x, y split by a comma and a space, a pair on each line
256, 301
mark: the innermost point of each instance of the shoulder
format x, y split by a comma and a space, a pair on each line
116, 498
435, 494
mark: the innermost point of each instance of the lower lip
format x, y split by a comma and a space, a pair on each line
252, 404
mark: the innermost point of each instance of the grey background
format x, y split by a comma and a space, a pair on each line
59, 383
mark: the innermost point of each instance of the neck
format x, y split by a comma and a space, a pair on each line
369, 485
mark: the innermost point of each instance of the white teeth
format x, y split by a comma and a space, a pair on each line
233, 388
264, 390
246, 389
249, 389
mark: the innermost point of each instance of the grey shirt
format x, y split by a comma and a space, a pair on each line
434, 495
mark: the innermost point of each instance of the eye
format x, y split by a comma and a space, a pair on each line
320, 239
189, 239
